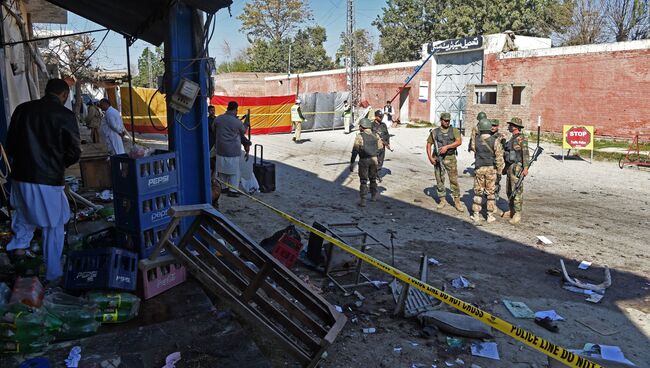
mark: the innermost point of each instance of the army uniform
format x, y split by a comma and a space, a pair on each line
502, 139
380, 128
481, 115
445, 137
488, 153
367, 146
517, 159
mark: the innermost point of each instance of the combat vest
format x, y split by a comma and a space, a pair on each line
369, 148
444, 139
513, 156
484, 153
295, 116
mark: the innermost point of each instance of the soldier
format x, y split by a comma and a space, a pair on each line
517, 164
447, 139
481, 115
367, 146
502, 140
488, 153
380, 128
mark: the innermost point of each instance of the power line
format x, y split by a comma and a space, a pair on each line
52, 37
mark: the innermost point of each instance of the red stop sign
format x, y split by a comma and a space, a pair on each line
578, 137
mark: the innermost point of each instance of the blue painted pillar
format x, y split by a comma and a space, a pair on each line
188, 133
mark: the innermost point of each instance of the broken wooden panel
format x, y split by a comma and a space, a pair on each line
258, 287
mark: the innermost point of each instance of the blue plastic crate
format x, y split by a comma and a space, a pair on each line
135, 213
102, 268
143, 242
145, 175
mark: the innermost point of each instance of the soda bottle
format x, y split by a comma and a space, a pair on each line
146, 206
19, 322
77, 330
116, 315
29, 291
114, 300
14, 347
144, 170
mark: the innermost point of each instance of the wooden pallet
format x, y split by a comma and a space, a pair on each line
258, 287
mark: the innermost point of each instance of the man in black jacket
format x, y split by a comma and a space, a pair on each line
43, 140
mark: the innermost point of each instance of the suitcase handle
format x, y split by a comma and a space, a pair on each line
261, 154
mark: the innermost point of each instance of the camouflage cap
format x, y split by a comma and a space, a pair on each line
365, 123
481, 115
445, 116
516, 122
495, 122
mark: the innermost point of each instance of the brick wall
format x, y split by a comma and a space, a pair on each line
378, 86
504, 109
606, 89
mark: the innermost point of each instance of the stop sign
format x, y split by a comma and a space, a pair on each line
578, 137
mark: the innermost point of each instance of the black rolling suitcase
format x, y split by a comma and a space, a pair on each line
264, 171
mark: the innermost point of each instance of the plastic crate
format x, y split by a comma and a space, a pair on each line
143, 242
161, 278
287, 250
103, 268
135, 213
145, 175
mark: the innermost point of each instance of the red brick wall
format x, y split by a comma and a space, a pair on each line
378, 86
608, 90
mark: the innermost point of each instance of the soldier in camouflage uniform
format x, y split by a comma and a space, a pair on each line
448, 139
502, 140
488, 153
517, 160
367, 146
481, 115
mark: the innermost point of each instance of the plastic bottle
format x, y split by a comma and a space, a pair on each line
29, 291
14, 347
116, 315
19, 322
114, 300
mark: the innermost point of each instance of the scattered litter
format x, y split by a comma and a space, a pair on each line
598, 325
456, 324
73, 358
544, 240
110, 218
584, 265
377, 283
105, 195
383, 310
433, 261
486, 350
451, 229
397, 349
606, 352
577, 290
414, 344
518, 309
369, 330
595, 298
459, 361
172, 359
547, 323
111, 363
338, 308
449, 364
461, 283
359, 295
354, 319
552, 314
600, 288
454, 342
358, 304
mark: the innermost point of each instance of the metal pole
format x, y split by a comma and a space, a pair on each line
128, 70
289, 73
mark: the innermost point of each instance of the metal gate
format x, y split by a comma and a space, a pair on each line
453, 73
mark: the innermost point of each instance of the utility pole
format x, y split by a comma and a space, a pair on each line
289, 72
150, 81
351, 66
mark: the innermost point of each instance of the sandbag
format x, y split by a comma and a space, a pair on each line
456, 324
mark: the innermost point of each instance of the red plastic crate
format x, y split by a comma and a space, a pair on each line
287, 250
161, 278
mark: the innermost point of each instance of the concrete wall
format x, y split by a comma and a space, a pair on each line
240, 84
378, 84
602, 85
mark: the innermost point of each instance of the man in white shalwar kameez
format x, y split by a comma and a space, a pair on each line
43, 139
112, 128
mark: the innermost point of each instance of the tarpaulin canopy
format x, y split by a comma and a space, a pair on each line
271, 114
141, 108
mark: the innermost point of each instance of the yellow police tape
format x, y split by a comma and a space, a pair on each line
304, 113
546, 347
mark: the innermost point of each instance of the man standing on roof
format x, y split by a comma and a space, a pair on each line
296, 120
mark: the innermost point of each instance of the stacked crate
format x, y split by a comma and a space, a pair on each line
143, 190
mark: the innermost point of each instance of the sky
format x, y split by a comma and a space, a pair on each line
327, 13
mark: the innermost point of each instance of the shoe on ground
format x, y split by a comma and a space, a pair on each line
362, 202
232, 194
442, 204
516, 219
458, 206
476, 218
490, 218
374, 197
293, 139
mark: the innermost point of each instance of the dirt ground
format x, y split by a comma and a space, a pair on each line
595, 212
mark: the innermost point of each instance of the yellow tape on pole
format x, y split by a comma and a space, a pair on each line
546, 347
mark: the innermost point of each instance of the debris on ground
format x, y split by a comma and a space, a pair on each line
519, 309
461, 283
486, 350
541, 239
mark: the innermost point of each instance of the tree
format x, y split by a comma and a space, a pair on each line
363, 46
628, 19
405, 25
308, 53
269, 56
588, 24
274, 20
150, 67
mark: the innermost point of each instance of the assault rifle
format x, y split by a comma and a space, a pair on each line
538, 151
436, 153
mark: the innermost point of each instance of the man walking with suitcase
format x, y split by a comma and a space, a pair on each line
230, 136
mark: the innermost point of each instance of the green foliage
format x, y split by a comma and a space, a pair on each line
273, 20
407, 24
363, 45
238, 65
150, 66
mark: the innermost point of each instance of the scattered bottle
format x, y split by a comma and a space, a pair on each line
29, 291
144, 170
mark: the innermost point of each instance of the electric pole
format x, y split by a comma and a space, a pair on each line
351, 66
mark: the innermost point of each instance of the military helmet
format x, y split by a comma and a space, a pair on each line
445, 116
484, 125
481, 115
365, 123
516, 122
379, 113
495, 122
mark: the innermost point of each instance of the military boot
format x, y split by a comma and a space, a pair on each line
362, 202
457, 205
507, 214
490, 218
374, 196
516, 218
476, 217
442, 204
